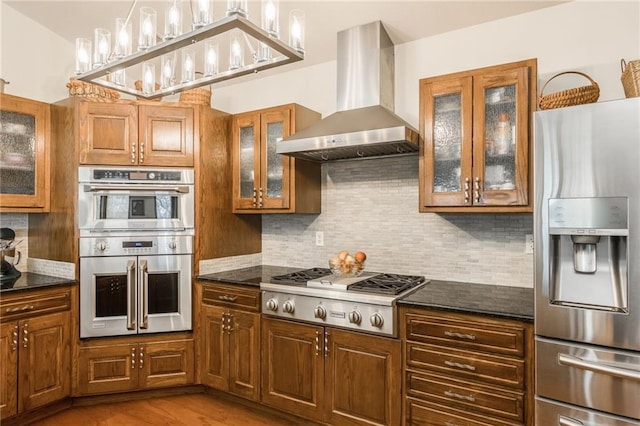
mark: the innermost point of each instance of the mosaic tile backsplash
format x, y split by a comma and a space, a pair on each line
372, 206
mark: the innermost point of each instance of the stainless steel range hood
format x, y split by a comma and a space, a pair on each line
365, 125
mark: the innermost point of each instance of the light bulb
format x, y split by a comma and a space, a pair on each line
147, 27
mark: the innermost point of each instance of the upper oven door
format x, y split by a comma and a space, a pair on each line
135, 207
164, 293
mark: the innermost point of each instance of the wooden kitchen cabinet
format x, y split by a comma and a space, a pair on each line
264, 181
35, 348
476, 128
129, 134
25, 132
229, 336
466, 369
128, 364
331, 375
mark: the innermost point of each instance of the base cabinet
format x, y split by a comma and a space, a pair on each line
331, 375
229, 339
35, 351
466, 369
122, 367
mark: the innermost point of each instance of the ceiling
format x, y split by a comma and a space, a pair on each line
405, 21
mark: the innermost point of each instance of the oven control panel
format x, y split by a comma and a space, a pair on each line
136, 245
366, 317
137, 175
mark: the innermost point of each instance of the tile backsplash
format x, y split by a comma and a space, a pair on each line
372, 206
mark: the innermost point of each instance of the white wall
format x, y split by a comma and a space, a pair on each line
36, 62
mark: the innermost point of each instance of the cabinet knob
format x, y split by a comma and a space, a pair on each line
14, 339
25, 335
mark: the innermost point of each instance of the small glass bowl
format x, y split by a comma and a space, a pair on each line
354, 271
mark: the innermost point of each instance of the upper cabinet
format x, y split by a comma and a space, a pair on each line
267, 182
24, 155
129, 134
476, 128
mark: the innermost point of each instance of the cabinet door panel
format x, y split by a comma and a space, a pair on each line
244, 354
447, 125
106, 369
45, 360
108, 133
8, 369
164, 364
275, 171
246, 149
362, 374
292, 367
166, 135
501, 149
214, 348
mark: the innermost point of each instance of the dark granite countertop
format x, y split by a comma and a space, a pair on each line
251, 276
491, 300
31, 281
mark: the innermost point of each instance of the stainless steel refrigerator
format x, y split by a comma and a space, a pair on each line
587, 264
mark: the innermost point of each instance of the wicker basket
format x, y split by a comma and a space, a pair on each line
196, 96
630, 78
91, 91
576, 96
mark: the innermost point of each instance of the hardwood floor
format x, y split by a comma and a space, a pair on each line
193, 410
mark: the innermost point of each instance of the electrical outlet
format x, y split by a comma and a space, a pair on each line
528, 247
319, 238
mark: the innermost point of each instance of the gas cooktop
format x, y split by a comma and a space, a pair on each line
369, 282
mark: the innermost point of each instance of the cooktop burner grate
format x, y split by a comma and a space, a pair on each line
301, 277
387, 283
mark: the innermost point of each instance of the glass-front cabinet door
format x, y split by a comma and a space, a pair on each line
246, 170
501, 149
475, 127
273, 193
24, 140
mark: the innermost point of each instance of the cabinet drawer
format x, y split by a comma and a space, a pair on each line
467, 396
29, 304
466, 334
421, 413
491, 369
231, 296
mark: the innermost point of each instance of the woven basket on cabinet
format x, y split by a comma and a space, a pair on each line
630, 78
576, 96
91, 91
196, 96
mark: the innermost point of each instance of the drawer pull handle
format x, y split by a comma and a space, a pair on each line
565, 421
460, 335
452, 394
574, 361
459, 365
228, 298
20, 308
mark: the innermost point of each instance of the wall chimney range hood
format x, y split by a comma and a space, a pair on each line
364, 125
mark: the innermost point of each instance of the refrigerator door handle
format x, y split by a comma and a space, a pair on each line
566, 421
144, 273
131, 295
572, 361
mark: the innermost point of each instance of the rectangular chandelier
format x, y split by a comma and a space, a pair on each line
156, 63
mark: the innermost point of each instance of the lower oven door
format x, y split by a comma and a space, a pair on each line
124, 295
595, 377
165, 293
553, 413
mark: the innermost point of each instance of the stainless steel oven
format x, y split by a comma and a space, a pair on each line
134, 285
122, 200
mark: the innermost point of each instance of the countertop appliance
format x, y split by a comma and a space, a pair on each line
365, 303
587, 264
364, 125
9, 257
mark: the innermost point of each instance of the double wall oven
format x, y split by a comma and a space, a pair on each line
136, 250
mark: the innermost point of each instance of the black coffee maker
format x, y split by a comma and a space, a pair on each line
9, 257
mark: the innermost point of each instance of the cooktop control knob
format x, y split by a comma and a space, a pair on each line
101, 246
320, 312
288, 307
172, 244
376, 320
152, 176
355, 317
272, 304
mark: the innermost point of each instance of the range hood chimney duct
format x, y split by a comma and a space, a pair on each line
364, 125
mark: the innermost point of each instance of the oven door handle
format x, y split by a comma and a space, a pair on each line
574, 361
180, 189
131, 295
144, 273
